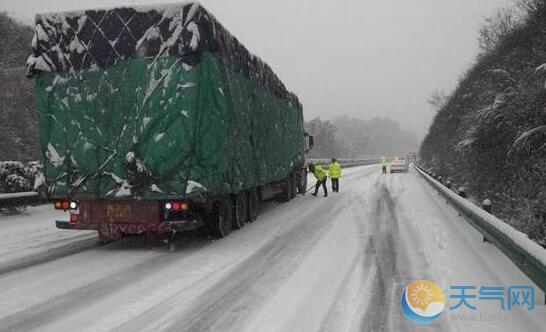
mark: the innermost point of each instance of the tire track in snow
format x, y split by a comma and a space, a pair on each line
400, 258
228, 303
363, 268
50, 310
87, 242
413, 261
310, 229
230, 300
383, 245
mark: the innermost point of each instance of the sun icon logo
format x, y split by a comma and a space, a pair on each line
423, 301
421, 295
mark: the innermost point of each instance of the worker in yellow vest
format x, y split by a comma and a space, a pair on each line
334, 172
383, 165
321, 176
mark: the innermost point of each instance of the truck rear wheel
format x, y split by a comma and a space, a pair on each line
286, 194
293, 186
252, 206
240, 210
302, 181
221, 218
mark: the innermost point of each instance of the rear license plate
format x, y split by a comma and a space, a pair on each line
115, 211
119, 212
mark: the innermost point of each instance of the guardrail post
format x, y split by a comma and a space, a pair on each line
461, 192
486, 205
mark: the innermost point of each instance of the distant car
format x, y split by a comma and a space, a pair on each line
399, 165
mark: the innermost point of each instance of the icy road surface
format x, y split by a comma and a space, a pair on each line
313, 264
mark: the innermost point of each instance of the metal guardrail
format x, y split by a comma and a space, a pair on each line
528, 256
346, 163
22, 198
359, 163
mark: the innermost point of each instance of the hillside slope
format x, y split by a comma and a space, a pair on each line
490, 136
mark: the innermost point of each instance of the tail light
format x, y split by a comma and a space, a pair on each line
65, 205
176, 206
74, 218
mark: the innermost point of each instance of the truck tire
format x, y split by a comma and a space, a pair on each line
240, 210
294, 186
286, 194
302, 181
252, 206
221, 218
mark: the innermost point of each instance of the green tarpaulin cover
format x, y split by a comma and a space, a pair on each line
155, 123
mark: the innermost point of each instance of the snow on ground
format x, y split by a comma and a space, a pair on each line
449, 251
32, 236
313, 264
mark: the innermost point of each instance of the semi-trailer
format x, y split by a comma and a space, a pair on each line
157, 120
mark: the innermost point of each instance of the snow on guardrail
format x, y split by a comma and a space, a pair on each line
26, 194
524, 252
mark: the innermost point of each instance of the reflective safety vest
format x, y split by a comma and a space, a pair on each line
320, 174
334, 170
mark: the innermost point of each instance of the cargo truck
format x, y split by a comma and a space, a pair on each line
156, 120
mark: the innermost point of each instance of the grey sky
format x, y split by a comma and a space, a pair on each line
356, 57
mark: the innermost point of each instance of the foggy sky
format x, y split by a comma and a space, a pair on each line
361, 58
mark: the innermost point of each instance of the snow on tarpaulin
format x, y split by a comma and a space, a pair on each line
135, 99
77, 40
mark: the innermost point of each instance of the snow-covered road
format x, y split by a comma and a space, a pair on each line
313, 264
